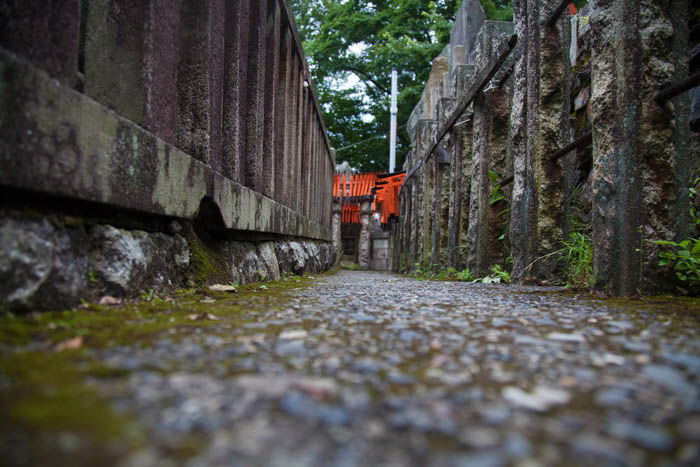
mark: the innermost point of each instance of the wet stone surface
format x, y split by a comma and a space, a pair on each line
366, 368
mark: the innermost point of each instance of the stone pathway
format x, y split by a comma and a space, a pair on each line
367, 368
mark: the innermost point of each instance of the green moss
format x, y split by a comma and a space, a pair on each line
44, 392
103, 326
206, 262
659, 304
47, 392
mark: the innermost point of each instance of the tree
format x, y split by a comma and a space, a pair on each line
351, 46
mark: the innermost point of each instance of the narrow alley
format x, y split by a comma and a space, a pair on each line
355, 368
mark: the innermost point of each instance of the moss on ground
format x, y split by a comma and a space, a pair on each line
43, 389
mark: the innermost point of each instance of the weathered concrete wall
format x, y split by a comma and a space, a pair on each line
160, 108
510, 193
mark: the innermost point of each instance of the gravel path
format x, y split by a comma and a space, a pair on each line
368, 368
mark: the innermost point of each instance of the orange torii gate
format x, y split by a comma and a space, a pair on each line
382, 189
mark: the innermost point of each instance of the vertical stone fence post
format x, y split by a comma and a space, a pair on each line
365, 234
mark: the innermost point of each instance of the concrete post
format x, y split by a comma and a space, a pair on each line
640, 157
489, 155
200, 80
522, 189
424, 200
134, 72
478, 220
462, 172
273, 36
45, 32
539, 125
336, 229
414, 233
282, 121
365, 241
441, 193
255, 106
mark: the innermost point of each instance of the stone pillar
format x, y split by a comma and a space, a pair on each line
462, 76
424, 185
489, 155
131, 58
365, 241
283, 108
272, 88
539, 127
45, 32
414, 226
522, 189
476, 234
200, 78
336, 230
255, 105
441, 186
404, 247
640, 159
465, 137
234, 94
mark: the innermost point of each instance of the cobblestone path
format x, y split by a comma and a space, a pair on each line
367, 368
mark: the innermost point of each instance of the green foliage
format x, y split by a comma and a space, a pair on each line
497, 195
577, 256
496, 192
498, 275
150, 295
421, 272
348, 266
465, 275
498, 10
448, 274
366, 39
694, 212
684, 257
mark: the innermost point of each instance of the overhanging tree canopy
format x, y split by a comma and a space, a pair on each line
352, 46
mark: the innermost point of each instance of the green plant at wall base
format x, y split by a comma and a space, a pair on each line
694, 213
421, 272
684, 257
498, 275
448, 274
465, 275
496, 193
578, 260
505, 225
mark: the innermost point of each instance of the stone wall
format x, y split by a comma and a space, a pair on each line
159, 110
503, 100
53, 262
